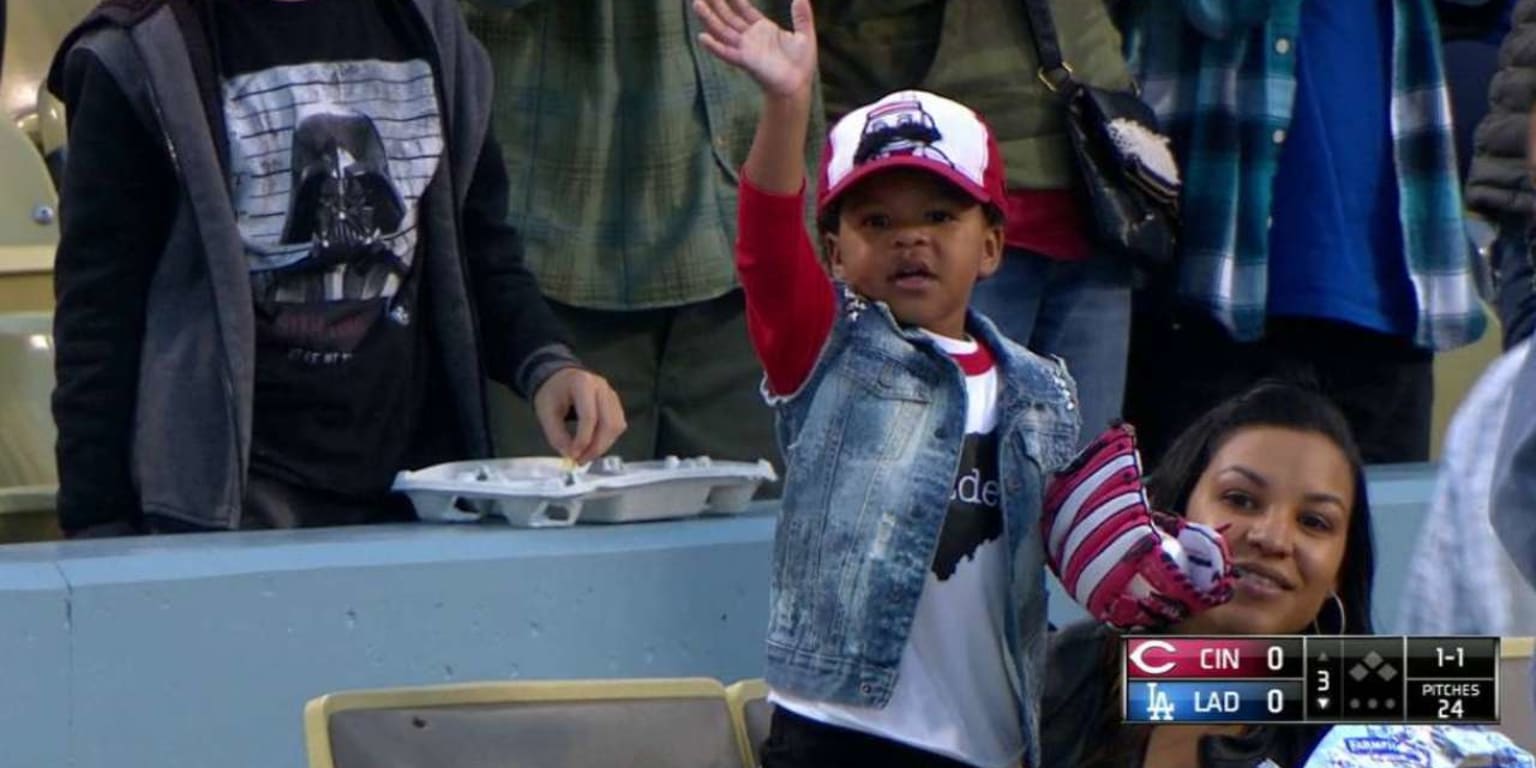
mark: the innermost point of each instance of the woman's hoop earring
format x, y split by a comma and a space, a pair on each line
1338, 603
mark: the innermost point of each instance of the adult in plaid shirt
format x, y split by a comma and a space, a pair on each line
1324, 231
623, 139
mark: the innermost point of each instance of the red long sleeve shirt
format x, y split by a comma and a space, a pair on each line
789, 296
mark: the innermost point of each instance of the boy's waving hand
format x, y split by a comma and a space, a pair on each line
783, 62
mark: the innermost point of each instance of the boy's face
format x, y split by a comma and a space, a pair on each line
916, 242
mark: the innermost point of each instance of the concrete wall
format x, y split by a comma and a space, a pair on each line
201, 650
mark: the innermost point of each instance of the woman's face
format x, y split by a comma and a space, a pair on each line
1286, 497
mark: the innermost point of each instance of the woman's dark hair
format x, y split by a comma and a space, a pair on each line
1288, 406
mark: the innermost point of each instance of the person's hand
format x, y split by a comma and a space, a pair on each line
783, 62
599, 415
1128, 565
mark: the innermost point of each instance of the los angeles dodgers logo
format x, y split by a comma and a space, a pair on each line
1160, 708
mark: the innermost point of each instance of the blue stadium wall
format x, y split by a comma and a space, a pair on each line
198, 651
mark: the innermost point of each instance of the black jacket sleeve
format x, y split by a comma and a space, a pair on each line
522, 340
117, 199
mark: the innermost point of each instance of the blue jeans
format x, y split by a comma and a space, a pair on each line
1079, 311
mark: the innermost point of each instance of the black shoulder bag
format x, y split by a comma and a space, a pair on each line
1128, 171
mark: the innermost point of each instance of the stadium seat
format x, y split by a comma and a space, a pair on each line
29, 228
52, 133
680, 723
33, 30
28, 477
751, 712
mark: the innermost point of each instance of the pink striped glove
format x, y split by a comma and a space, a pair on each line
1129, 566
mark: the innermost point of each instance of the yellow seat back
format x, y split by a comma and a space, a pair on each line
752, 713
26, 386
682, 723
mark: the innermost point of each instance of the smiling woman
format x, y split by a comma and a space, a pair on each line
1277, 471
1279, 466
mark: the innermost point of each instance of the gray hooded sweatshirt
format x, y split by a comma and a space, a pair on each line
154, 406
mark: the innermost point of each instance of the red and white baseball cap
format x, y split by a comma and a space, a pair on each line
913, 129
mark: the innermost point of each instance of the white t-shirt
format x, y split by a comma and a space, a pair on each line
955, 688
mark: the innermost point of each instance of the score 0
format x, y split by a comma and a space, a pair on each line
1284, 656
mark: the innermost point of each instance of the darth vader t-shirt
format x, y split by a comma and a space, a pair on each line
334, 130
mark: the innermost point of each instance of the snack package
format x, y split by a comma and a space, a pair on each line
1420, 746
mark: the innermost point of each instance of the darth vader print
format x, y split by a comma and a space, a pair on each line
342, 199
329, 161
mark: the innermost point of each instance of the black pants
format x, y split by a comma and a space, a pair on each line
798, 742
271, 503
1180, 369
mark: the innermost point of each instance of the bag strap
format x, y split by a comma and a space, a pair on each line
1055, 72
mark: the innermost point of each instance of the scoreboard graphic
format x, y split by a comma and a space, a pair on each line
1295, 680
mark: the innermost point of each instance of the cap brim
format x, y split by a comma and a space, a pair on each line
942, 170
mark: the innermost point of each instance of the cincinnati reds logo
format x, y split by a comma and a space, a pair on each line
1138, 657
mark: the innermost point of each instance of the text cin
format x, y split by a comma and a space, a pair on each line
1220, 658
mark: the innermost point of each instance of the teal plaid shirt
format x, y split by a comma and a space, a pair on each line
1222, 76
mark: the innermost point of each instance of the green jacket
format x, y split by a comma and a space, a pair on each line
979, 53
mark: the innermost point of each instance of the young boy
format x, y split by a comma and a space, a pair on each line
285, 270
908, 593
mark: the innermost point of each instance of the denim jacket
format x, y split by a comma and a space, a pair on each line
872, 443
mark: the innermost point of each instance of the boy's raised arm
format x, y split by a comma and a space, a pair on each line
789, 299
